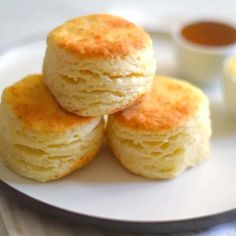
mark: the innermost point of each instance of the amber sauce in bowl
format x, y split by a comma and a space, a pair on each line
210, 33
201, 48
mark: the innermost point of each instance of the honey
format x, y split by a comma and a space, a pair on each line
210, 33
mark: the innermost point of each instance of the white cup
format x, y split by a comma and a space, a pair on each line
197, 63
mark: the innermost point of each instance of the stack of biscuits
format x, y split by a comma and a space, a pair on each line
52, 124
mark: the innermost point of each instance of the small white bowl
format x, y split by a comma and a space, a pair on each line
197, 63
229, 84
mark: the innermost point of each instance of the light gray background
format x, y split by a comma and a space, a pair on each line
19, 18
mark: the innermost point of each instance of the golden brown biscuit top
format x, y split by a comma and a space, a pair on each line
169, 104
99, 35
34, 105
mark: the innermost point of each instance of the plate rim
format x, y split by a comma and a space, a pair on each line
172, 226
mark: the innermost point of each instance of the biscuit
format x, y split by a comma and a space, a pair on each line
165, 133
39, 139
229, 85
98, 64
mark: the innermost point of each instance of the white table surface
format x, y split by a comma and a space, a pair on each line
3, 230
21, 18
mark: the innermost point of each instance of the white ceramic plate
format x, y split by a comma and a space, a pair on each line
108, 192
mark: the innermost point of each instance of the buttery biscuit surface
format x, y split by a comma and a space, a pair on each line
99, 35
